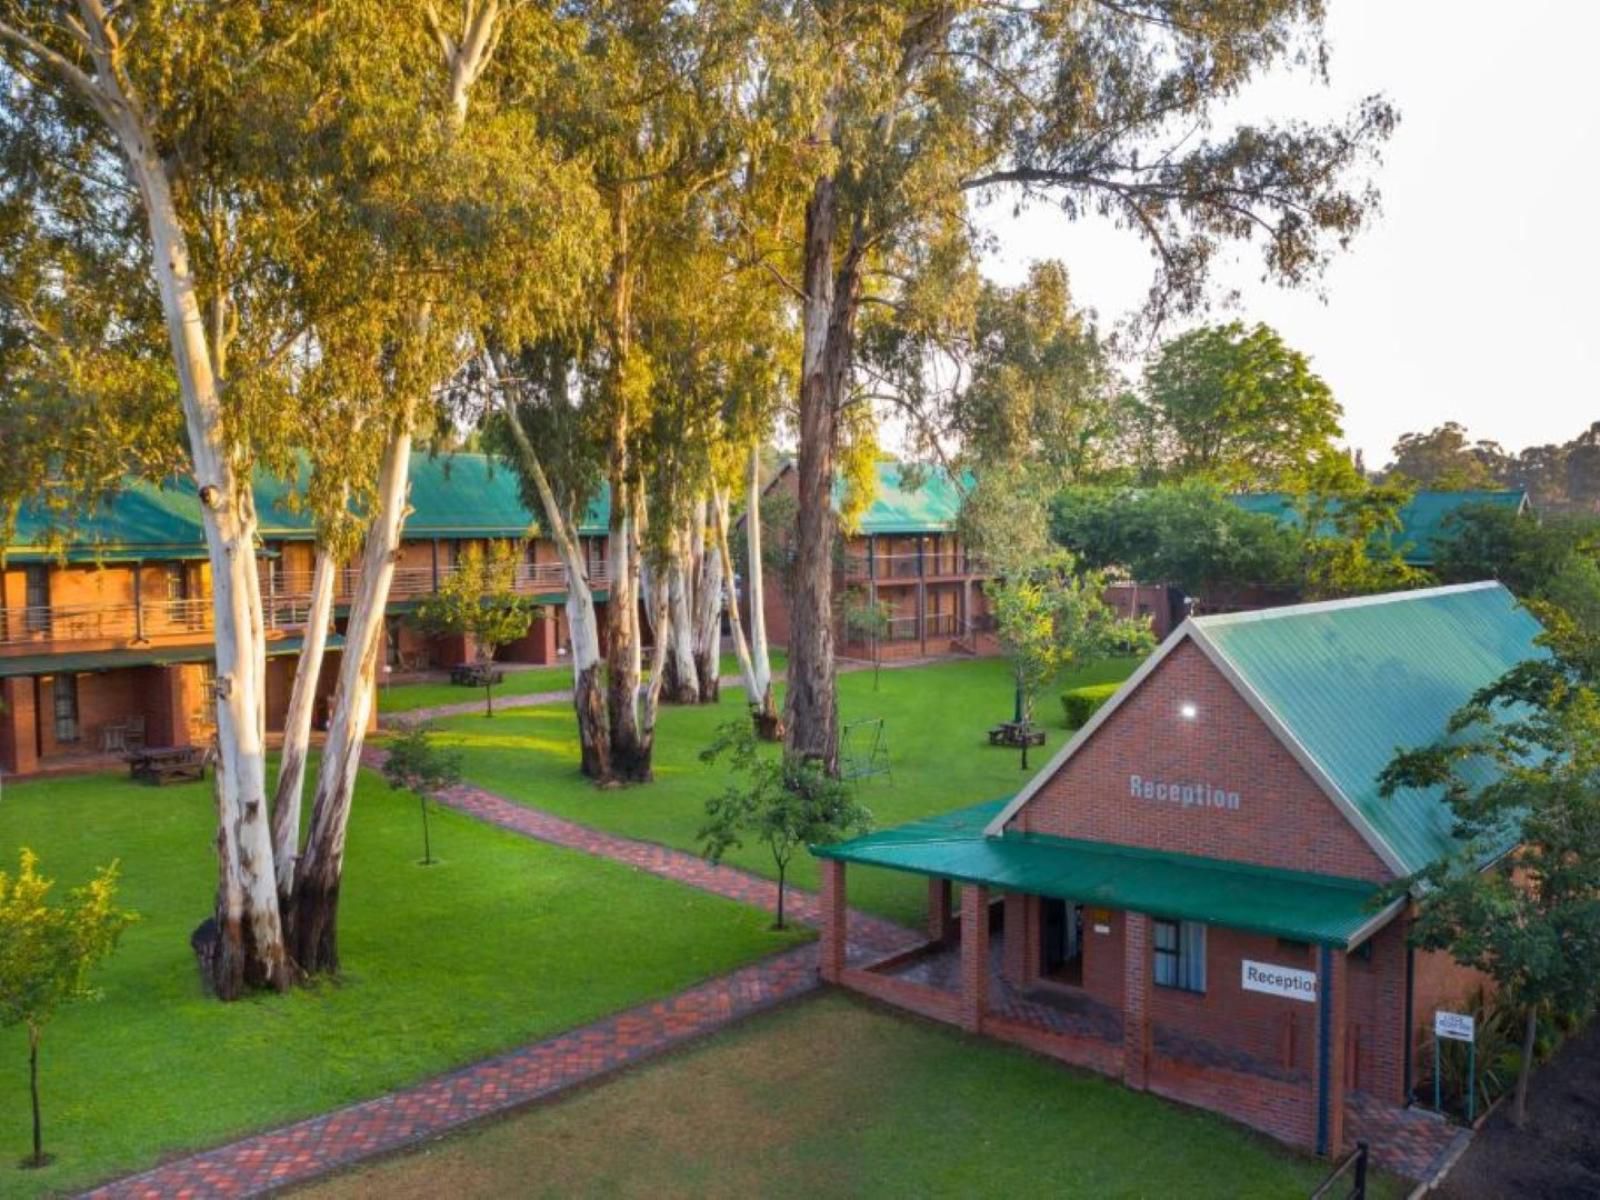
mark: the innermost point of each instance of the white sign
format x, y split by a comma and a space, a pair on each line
1289, 982
1185, 794
1455, 1026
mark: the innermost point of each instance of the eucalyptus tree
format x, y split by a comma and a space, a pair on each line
295, 185
156, 115
479, 230
901, 112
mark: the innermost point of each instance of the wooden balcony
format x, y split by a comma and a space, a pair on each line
285, 601
890, 569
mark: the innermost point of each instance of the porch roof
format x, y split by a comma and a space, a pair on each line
145, 656
1298, 905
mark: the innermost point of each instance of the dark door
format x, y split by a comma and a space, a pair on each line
1062, 933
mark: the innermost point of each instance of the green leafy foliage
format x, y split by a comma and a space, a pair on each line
1188, 534
1532, 557
415, 764
1081, 703
1233, 405
1531, 919
784, 801
1052, 617
479, 598
47, 951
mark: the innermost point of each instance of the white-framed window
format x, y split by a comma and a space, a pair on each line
1180, 955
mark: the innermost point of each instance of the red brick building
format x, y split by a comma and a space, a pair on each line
906, 556
106, 639
1187, 897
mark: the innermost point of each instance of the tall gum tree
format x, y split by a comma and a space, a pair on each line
904, 111
498, 253
160, 104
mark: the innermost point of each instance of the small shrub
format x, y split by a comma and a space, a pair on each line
1081, 702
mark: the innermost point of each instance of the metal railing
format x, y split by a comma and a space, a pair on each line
285, 603
928, 565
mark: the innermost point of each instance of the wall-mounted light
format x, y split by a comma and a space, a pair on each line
1188, 711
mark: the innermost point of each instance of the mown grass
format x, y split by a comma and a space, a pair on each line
507, 940
832, 1097
936, 720
529, 681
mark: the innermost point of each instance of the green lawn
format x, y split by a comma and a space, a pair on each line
504, 942
404, 697
935, 718
833, 1097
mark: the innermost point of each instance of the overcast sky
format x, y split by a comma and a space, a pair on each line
1473, 297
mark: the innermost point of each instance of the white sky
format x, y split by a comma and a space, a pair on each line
1473, 295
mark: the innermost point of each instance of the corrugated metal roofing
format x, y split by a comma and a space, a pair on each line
1422, 519
896, 508
1290, 904
142, 519
1353, 681
455, 495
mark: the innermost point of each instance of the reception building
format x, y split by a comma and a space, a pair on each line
1197, 894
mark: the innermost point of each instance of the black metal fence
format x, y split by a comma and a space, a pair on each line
1351, 1174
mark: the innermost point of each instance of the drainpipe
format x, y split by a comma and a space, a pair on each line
1324, 1046
1411, 981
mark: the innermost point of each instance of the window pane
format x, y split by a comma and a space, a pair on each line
1192, 958
1166, 935
1166, 969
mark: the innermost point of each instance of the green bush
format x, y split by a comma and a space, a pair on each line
1081, 702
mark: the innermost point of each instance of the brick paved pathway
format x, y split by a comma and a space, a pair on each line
302, 1151
307, 1149
1412, 1142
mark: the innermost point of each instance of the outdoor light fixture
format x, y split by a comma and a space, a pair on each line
1188, 711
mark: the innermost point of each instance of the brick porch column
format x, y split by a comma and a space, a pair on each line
974, 956
1332, 1006
19, 741
544, 639
941, 922
1135, 1001
834, 928
1021, 965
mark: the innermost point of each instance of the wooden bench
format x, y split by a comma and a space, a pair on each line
476, 674
1016, 733
164, 765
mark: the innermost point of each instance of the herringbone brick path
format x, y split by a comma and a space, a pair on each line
295, 1153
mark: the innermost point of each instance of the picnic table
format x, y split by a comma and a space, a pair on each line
476, 674
1016, 733
167, 763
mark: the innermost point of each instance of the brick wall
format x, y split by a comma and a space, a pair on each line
1439, 982
1275, 1031
1283, 818
1376, 1034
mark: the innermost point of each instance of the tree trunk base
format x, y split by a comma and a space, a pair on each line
769, 725
315, 934
594, 736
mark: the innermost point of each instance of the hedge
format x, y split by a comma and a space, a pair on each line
1081, 702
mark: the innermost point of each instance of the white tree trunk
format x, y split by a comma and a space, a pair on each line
685, 680
708, 596
583, 623
757, 674
755, 585
318, 874
250, 949
297, 724
660, 600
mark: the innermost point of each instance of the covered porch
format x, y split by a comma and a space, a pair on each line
1077, 950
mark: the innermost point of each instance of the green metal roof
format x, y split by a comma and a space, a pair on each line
452, 496
1289, 904
147, 656
895, 508
1422, 519
1354, 680
143, 520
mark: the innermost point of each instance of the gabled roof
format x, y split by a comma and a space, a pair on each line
1422, 519
1345, 683
452, 495
930, 507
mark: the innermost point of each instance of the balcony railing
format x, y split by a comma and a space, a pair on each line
285, 603
889, 567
